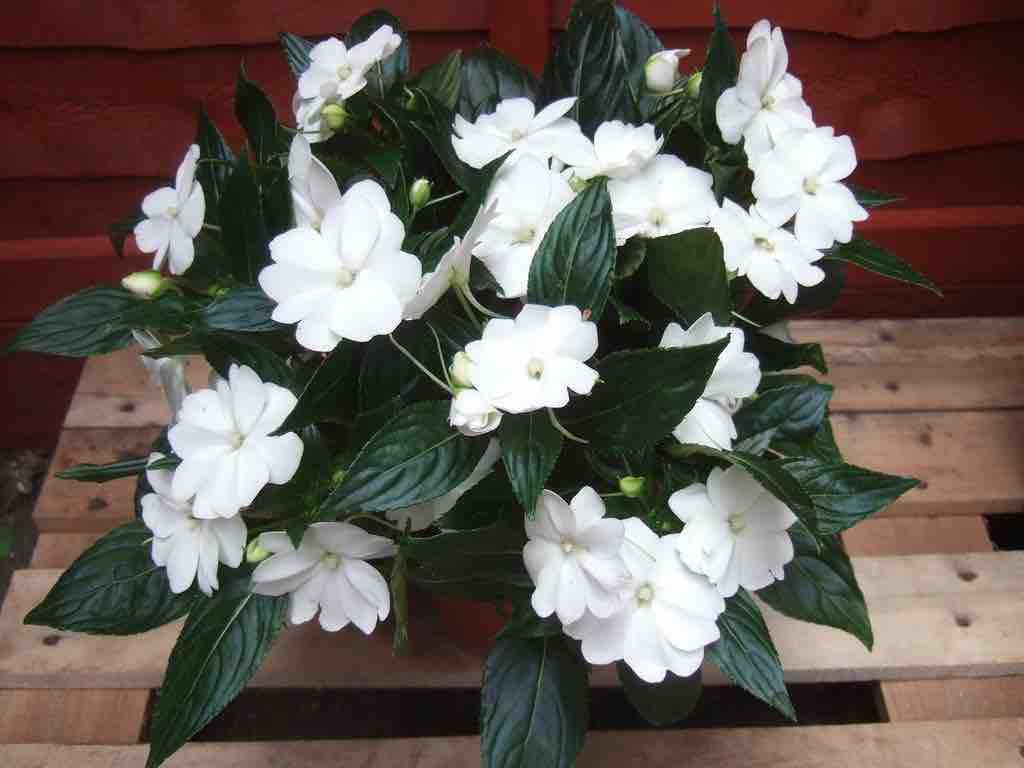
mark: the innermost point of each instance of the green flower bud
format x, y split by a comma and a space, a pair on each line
459, 370
632, 487
419, 193
148, 283
255, 553
335, 116
693, 85
577, 185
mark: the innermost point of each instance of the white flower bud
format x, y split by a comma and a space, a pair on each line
148, 283
472, 414
335, 116
419, 193
662, 68
459, 370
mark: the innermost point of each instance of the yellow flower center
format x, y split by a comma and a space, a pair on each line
535, 368
345, 277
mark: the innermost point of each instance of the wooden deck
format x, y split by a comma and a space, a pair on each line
942, 400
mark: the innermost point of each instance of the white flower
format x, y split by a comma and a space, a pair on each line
774, 261
620, 150
189, 547
533, 361
350, 280
735, 376
668, 614
168, 373
662, 69
766, 102
453, 268
664, 198
328, 572
313, 187
473, 414
424, 514
801, 177
528, 196
574, 556
174, 216
513, 127
225, 442
336, 73
735, 532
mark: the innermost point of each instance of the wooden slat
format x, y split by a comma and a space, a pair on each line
879, 536
961, 628
59, 550
43, 716
954, 699
963, 744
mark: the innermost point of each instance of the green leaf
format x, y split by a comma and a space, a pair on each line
296, 51
489, 77
821, 587
223, 349
869, 256
242, 309
320, 395
530, 446
394, 69
493, 541
574, 262
590, 63
776, 355
101, 473
415, 457
223, 643
821, 445
443, 80
720, 70
386, 373
746, 654
113, 588
243, 227
687, 274
95, 321
872, 198
662, 703
524, 622
638, 43
788, 404
772, 475
120, 230
844, 494
628, 315
6, 541
213, 176
255, 112
534, 704
642, 394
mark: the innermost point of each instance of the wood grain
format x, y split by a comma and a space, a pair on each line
53, 716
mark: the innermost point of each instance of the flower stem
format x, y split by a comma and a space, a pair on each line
466, 292
442, 199
440, 357
468, 309
211, 227
421, 366
565, 432
372, 519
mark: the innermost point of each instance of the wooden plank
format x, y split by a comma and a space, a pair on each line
897, 102
910, 536
954, 699
929, 623
963, 744
48, 716
66, 505
193, 24
59, 550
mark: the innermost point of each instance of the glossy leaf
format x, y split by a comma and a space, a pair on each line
101, 473
777, 355
574, 262
244, 229
820, 446
320, 395
720, 70
489, 77
212, 174
255, 112
664, 703
687, 274
872, 198
869, 256
788, 404
242, 309
223, 349
530, 446
296, 51
443, 80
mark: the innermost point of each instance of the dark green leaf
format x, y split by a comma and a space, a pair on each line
443, 80
320, 395
534, 704
530, 446
383, 75
243, 309
524, 622
643, 394
243, 226
6, 541
113, 588
223, 349
638, 43
489, 77
821, 587
746, 654
776, 355
120, 230
789, 404
821, 445
296, 50
223, 643
482, 543
415, 457
662, 703
687, 273
878, 260
720, 70
256, 114
101, 473
386, 373
628, 315
872, 198
844, 494
215, 161
574, 262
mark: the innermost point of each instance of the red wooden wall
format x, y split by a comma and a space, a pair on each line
99, 99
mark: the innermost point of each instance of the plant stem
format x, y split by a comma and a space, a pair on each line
468, 309
565, 432
421, 366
